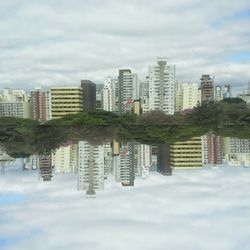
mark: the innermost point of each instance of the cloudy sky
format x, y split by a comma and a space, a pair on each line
60, 42
193, 209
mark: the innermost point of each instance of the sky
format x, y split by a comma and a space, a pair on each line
193, 209
60, 42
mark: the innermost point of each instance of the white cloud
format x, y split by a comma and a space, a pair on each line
62, 42
195, 209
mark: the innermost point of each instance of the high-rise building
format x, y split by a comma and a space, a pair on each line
227, 92
237, 151
218, 94
66, 100
99, 88
144, 95
63, 159
45, 167
190, 95
40, 105
207, 88
108, 95
15, 109
88, 95
128, 90
214, 149
162, 96
15, 103
211, 144
178, 97
124, 168
162, 87
163, 159
186, 154
126, 164
91, 168
15, 95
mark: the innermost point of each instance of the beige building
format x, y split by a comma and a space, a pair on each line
190, 95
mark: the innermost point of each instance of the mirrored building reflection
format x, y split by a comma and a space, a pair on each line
124, 163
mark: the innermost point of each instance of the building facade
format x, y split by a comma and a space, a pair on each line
91, 168
40, 105
207, 88
128, 90
66, 100
190, 95
162, 87
88, 95
186, 154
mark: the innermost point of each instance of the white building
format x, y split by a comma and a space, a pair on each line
64, 159
15, 109
15, 95
91, 168
124, 167
237, 151
162, 87
61, 160
15, 103
108, 95
218, 93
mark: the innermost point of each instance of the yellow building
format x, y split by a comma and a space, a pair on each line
66, 100
186, 154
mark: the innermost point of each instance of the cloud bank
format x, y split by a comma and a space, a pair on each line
196, 209
61, 42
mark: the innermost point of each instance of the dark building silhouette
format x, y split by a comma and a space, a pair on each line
99, 88
207, 88
125, 86
163, 160
89, 95
45, 167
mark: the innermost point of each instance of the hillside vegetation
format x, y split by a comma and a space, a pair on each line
22, 137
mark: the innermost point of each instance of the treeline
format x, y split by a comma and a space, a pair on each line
22, 137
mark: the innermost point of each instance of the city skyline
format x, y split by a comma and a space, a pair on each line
61, 43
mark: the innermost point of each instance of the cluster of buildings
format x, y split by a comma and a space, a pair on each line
127, 93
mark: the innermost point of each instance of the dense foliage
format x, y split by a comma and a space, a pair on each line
230, 117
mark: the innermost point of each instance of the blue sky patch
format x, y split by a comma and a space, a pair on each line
239, 57
8, 199
245, 14
9, 240
12, 240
